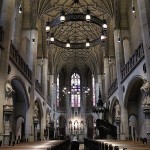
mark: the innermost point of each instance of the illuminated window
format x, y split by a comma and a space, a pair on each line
58, 99
93, 87
75, 90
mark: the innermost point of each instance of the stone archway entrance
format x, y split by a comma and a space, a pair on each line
20, 102
15, 108
133, 103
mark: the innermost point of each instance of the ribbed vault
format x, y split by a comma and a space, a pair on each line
70, 58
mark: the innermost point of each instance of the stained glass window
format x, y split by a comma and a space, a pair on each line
93, 87
75, 90
58, 99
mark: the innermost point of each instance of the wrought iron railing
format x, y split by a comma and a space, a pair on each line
61, 109
39, 87
134, 60
19, 62
112, 87
48, 100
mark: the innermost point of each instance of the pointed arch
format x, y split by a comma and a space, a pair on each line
136, 81
19, 85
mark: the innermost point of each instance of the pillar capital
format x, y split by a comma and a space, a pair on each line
146, 110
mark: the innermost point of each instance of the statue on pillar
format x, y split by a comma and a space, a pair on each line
117, 111
6, 127
36, 110
145, 89
47, 119
9, 94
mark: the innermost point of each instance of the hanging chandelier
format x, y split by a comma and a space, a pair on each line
74, 89
76, 19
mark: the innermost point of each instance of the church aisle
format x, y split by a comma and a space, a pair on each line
40, 145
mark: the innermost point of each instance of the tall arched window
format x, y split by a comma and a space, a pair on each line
75, 90
58, 99
93, 87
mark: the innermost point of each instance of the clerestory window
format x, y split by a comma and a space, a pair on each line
75, 90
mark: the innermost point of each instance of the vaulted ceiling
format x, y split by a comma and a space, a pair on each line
77, 32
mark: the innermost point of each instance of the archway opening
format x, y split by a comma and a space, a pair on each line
21, 105
135, 112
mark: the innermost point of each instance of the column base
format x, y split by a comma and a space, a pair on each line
6, 139
146, 109
31, 138
122, 136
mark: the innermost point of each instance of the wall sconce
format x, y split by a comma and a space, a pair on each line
62, 16
133, 7
119, 39
87, 42
103, 36
33, 40
68, 43
20, 9
109, 60
88, 17
48, 28
104, 74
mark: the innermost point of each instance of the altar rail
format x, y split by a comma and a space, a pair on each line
20, 63
134, 60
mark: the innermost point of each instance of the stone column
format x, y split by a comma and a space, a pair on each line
39, 70
127, 49
6, 22
54, 96
51, 79
45, 76
114, 68
32, 62
146, 110
32, 53
144, 14
44, 85
119, 65
107, 79
8, 111
52, 90
97, 86
145, 89
117, 120
47, 125
17, 26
